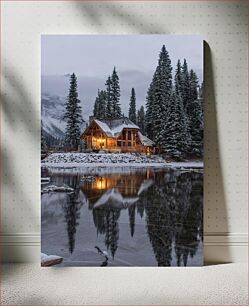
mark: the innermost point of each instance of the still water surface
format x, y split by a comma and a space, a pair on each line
137, 217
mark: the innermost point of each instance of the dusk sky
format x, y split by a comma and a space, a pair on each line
92, 58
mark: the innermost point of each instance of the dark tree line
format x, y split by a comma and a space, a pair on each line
174, 112
107, 102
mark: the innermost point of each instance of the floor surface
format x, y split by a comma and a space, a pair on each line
29, 284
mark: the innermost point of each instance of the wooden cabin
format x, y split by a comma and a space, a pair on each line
116, 135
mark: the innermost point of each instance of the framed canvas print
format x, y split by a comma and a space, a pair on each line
122, 150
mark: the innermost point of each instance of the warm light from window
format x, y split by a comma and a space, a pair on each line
101, 183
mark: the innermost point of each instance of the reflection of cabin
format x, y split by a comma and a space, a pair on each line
128, 186
116, 135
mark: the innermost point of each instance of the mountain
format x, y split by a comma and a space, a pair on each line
52, 112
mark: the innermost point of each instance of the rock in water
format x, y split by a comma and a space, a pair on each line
50, 260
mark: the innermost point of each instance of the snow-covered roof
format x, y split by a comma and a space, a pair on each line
145, 140
145, 185
113, 127
104, 127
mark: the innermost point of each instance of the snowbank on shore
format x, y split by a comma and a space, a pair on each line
53, 188
187, 165
107, 159
50, 260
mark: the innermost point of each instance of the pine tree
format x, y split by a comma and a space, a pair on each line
96, 107
109, 108
175, 135
193, 85
178, 78
141, 119
102, 104
132, 108
195, 115
99, 110
149, 123
185, 86
158, 97
196, 127
73, 116
115, 95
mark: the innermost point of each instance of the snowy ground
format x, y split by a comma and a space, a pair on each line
188, 165
82, 160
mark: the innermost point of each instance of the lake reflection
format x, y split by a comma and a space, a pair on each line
140, 217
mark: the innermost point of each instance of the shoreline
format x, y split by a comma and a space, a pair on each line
131, 160
177, 165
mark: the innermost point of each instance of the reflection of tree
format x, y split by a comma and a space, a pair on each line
140, 210
159, 227
187, 239
132, 216
99, 220
112, 230
72, 210
174, 212
106, 221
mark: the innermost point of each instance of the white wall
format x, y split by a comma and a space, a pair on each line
223, 24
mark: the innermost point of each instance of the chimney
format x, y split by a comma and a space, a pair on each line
91, 118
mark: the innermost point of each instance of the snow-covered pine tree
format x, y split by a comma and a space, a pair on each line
178, 78
141, 119
102, 104
193, 85
96, 106
161, 94
185, 87
99, 110
73, 116
195, 115
175, 135
149, 123
109, 108
115, 95
196, 127
132, 108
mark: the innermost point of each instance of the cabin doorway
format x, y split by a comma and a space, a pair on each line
101, 144
98, 143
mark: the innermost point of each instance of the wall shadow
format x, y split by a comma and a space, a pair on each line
18, 114
214, 194
122, 17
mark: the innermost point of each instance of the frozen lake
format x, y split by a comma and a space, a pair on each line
139, 216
